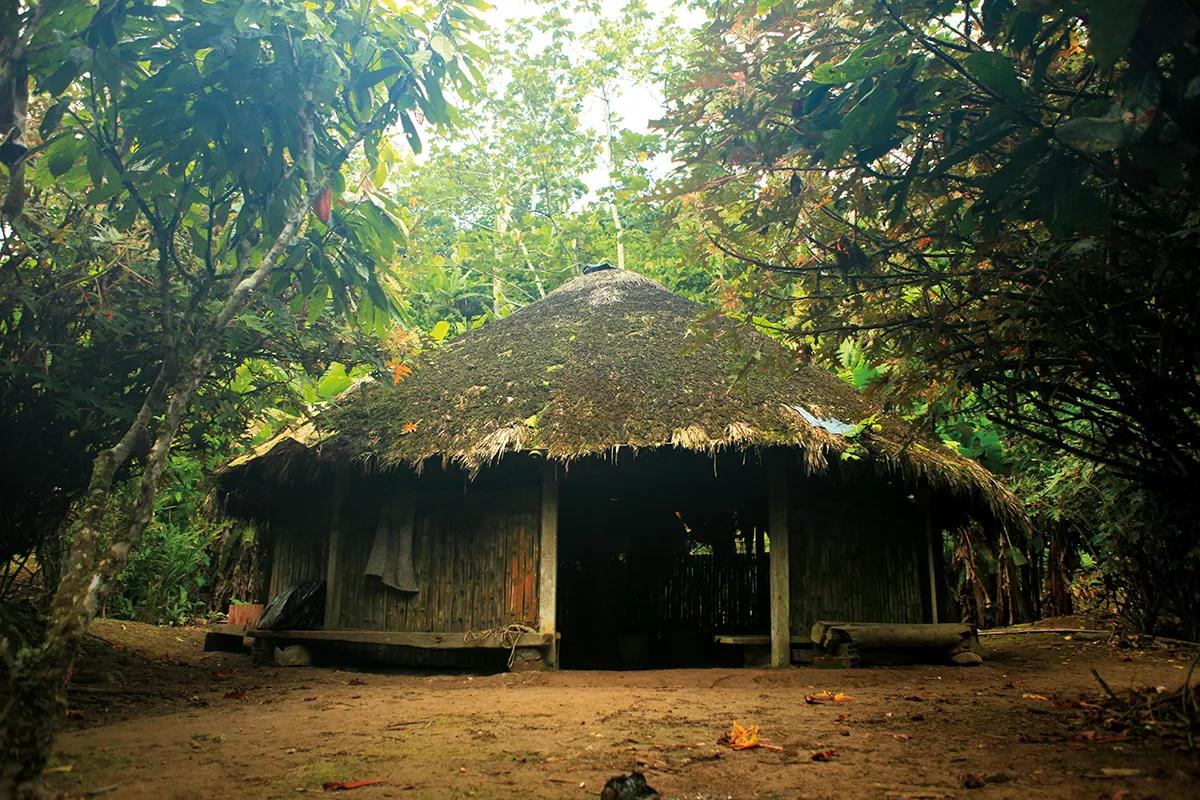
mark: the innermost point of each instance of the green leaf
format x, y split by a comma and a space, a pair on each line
333, 382
440, 331
443, 47
250, 11
60, 157
1093, 134
1111, 25
410, 132
375, 76
997, 73
60, 79
863, 61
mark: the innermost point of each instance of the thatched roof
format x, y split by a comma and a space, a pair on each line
612, 360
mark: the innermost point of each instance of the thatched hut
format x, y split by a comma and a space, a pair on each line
615, 476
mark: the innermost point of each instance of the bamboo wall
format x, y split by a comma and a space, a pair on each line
299, 542
475, 556
856, 556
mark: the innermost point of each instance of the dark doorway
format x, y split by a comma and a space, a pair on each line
657, 554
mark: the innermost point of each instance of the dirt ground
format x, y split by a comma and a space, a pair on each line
155, 717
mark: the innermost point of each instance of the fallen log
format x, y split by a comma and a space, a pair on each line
877, 635
954, 642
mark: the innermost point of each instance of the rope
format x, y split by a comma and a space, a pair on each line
509, 637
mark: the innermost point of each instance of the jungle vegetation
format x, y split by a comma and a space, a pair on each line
217, 213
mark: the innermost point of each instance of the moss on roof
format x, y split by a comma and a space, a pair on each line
613, 360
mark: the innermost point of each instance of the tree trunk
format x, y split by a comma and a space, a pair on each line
1058, 583
38, 675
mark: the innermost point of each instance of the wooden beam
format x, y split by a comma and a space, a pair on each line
333, 604
777, 529
431, 640
753, 638
929, 552
548, 560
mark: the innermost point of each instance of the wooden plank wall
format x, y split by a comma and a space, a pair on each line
475, 556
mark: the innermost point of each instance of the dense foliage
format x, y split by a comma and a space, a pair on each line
982, 212
996, 199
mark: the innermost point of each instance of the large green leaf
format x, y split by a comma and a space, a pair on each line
1111, 26
333, 382
996, 72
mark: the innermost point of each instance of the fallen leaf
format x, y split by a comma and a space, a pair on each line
827, 697
824, 755
1032, 696
902, 737
408, 427
343, 786
1065, 704
1120, 772
745, 738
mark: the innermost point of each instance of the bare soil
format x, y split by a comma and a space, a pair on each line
155, 717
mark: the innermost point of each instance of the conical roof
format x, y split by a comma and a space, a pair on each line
613, 360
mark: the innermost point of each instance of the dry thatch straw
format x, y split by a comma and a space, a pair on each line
613, 360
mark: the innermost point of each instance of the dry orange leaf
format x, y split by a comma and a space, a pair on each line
745, 738
827, 696
408, 427
400, 371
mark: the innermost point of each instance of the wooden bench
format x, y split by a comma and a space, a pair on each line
225, 638
533, 650
756, 647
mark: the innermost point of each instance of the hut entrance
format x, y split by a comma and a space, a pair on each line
657, 554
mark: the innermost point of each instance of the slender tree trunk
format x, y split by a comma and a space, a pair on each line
501, 226
38, 676
616, 218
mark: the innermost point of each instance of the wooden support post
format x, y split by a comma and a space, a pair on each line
332, 600
932, 564
777, 529
548, 561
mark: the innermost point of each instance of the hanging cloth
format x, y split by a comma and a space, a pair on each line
391, 558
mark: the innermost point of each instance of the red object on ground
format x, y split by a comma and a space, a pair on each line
341, 786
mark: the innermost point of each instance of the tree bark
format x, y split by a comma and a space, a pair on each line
38, 675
